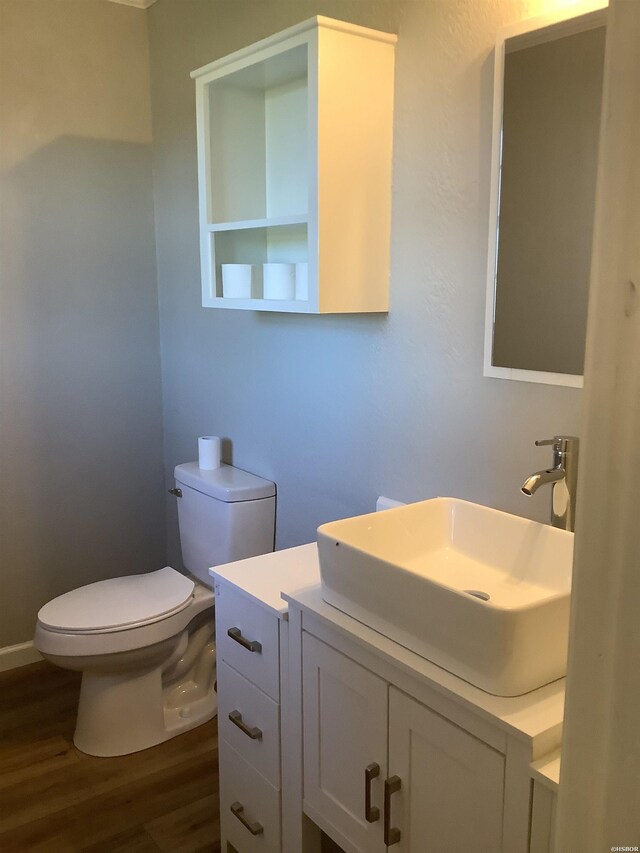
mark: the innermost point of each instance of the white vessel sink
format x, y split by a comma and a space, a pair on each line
481, 593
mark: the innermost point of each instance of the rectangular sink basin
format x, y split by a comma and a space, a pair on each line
482, 593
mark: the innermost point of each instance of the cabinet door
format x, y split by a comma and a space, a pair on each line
451, 799
345, 732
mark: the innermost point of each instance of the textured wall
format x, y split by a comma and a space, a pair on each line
80, 410
340, 409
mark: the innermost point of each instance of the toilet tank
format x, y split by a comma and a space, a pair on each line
225, 514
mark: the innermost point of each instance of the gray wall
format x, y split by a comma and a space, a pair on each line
80, 401
340, 409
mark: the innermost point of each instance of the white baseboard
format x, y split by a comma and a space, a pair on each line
11, 657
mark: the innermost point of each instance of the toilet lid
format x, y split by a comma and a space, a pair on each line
119, 603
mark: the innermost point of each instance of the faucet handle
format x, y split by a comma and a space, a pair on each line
543, 442
561, 443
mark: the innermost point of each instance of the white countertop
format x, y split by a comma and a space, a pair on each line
294, 575
266, 577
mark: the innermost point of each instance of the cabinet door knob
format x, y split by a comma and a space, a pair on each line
371, 813
391, 833
237, 810
236, 718
250, 645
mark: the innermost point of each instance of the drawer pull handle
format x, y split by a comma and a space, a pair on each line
237, 809
371, 813
249, 645
236, 718
391, 833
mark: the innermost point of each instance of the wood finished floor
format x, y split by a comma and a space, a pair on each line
55, 798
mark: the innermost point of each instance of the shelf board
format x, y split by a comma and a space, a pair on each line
299, 306
269, 222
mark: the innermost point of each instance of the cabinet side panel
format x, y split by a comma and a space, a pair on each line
355, 134
237, 153
207, 258
286, 147
542, 819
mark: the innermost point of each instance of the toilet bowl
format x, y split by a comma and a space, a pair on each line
145, 646
145, 643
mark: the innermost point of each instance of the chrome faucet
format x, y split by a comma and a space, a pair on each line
563, 477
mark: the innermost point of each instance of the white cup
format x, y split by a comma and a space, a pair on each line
279, 281
302, 281
239, 281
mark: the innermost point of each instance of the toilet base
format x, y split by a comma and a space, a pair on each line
118, 716
121, 712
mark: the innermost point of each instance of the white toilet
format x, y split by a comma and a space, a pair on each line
145, 643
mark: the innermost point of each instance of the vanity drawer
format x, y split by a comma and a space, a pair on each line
253, 649
255, 802
255, 734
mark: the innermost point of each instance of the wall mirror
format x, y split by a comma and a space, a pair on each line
546, 124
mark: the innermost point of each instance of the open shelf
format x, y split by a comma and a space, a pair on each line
256, 246
258, 140
241, 225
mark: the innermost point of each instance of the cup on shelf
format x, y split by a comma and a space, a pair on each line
302, 281
279, 281
240, 281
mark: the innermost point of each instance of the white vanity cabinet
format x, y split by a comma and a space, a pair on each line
383, 770
396, 753
248, 664
328, 715
252, 669
294, 168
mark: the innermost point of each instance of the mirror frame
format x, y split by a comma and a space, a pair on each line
580, 16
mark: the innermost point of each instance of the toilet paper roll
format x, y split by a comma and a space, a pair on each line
279, 281
240, 281
208, 452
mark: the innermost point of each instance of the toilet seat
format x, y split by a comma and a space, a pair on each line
118, 604
80, 644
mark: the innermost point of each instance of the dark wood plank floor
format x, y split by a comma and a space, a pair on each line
55, 798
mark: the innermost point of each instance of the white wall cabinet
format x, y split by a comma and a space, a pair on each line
382, 771
294, 167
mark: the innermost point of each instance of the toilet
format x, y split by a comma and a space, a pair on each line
145, 644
